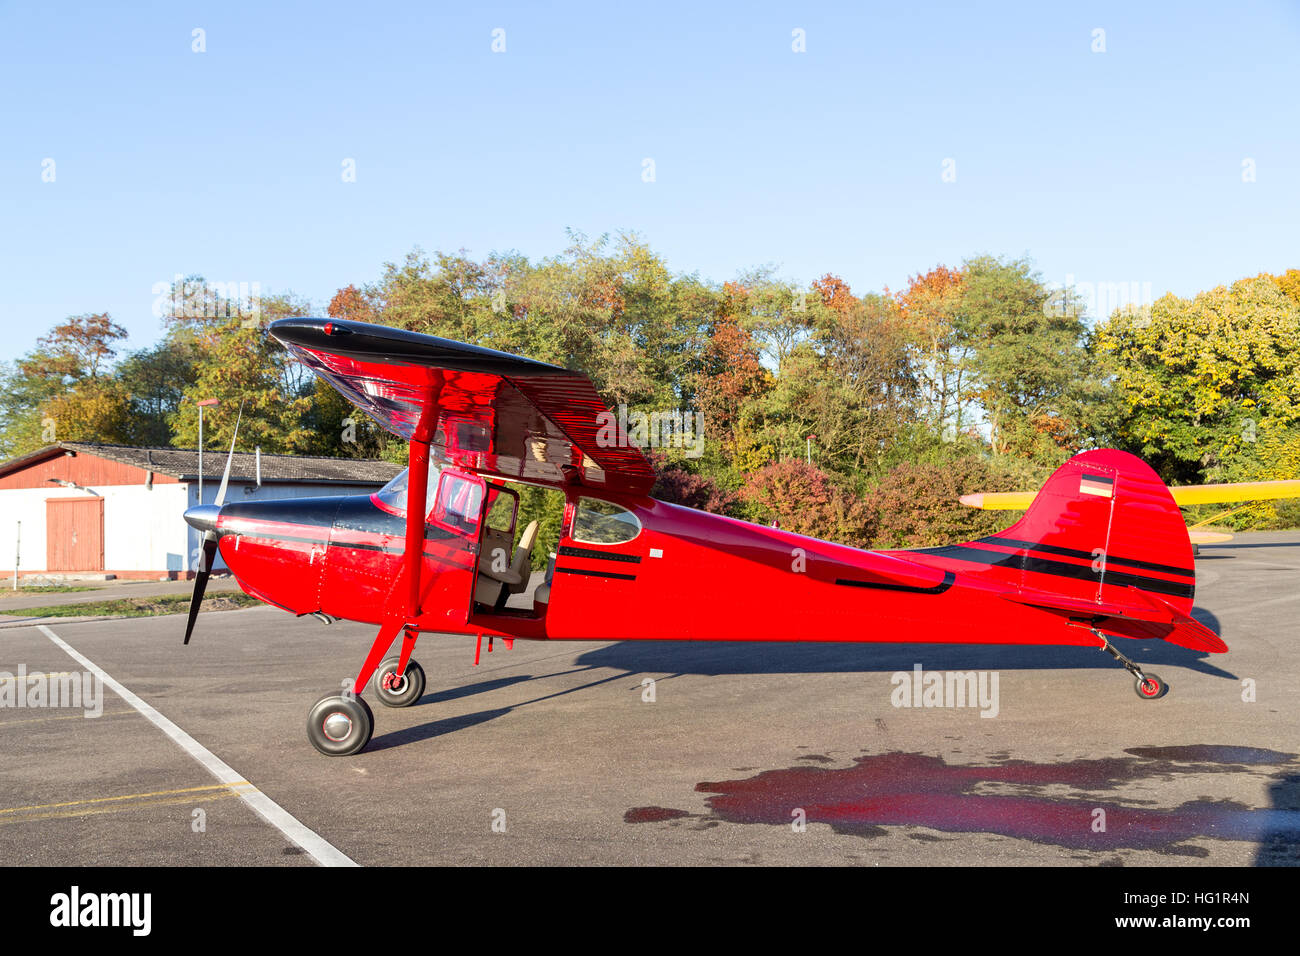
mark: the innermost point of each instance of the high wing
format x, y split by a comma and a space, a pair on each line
479, 409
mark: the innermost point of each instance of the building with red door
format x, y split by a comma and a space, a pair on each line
74, 508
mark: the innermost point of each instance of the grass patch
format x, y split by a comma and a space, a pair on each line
141, 606
46, 589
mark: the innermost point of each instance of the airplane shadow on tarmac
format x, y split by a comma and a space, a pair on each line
711, 659
448, 725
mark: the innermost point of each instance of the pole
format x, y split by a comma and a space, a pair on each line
200, 454
18, 554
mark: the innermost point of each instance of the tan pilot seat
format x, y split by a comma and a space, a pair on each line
491, 585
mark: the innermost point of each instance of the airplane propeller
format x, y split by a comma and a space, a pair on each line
204, 518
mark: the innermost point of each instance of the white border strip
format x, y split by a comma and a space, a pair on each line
321, 851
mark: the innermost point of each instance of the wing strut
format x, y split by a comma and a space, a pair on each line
403, 610
417, 490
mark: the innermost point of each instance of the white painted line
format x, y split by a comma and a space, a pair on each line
321, 851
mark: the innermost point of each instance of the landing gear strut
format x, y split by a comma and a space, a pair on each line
1148, 686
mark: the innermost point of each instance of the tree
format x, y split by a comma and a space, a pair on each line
94, 410
77, 351
155, 381
350, 303
803, 499
930, 307
916, 504
1198, 380
848, 384
243, 367
1029, 357
730, 373
676, 484
80, 347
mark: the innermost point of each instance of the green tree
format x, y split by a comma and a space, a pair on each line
155, 379
1033, 371
243, 367
1200, 379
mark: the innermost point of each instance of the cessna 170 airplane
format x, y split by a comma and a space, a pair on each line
1101, 553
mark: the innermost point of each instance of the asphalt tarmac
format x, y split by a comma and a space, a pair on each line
736, 754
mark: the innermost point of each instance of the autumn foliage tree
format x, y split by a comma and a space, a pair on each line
62, 390
676, 484
731, 373
930, 308
349, 303
916, 504
801, 498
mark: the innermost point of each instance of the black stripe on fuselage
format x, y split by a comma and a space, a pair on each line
596, 574
569, 551
945, 584
1088, 556
1025, 562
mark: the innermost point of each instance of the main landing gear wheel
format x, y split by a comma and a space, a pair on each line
338, 726
1150, 686
394, 691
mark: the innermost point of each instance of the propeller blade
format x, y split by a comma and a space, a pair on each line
225, 478
201, 581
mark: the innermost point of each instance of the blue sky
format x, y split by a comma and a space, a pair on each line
1123, 166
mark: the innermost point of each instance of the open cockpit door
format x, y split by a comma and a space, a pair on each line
452, 545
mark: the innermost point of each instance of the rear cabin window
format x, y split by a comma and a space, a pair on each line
603, 522
501, 510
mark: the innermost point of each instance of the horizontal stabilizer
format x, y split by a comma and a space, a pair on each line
1090, 608
1147, 608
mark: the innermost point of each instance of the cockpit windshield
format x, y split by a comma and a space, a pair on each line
393, 494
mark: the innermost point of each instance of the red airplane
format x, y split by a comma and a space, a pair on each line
1103, 552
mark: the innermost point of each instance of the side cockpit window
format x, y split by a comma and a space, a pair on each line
603, 522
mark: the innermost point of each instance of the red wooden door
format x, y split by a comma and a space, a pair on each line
74, 534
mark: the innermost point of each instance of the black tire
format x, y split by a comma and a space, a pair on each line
339, 726
407, 692
1153, 689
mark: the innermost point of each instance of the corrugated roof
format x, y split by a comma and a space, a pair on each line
183, 464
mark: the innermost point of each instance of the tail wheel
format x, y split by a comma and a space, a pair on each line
1151, 688
394, 691
338, 726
